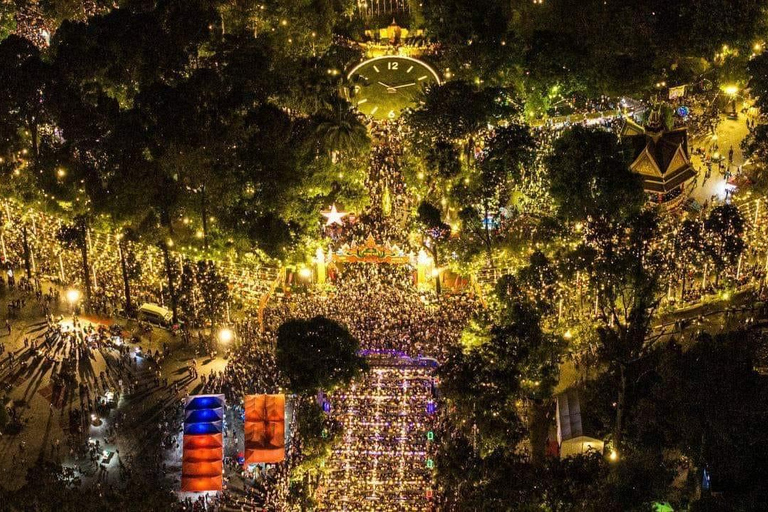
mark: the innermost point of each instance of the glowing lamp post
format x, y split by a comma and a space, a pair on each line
305, 273
226, 335
731, 91
73, 296
320, 265
422, 262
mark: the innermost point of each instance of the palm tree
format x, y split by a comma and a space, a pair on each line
339, 130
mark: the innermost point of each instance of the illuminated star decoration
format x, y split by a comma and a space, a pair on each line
334, 216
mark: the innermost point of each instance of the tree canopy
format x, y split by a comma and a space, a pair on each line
317, 354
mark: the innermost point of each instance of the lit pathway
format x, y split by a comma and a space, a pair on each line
382, 463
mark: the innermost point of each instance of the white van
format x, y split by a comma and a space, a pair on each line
155, 314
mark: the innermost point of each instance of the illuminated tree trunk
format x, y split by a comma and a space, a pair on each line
121, 247
171, 285
27, 264
204, 212
86, 268
438, 286
620, 406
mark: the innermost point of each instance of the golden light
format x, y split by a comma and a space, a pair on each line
435, 272
568, 334
169, 242
305, 272
199, 233
731, 90
614, 456
226, 335
73, 295
61, 172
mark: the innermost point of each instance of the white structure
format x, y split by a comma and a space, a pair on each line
570, 434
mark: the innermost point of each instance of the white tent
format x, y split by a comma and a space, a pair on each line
570, 434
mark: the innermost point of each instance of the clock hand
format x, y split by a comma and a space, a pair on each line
404, 85
387, 86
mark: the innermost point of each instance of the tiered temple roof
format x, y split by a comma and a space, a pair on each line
660, 156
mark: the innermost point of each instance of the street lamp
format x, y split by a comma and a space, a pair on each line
73, 295
731, 91
226, 335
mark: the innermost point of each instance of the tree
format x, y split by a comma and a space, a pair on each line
130, 268
434, 233
689, 409
317, 354
626, 263
709, 397
589, 176
188, 293
509, 151
723, 236
457, 112
756, 143
7, 19
758, 69
689, 247
74, 236
171, 274
214, 292
339, 130
514, 360
23, 105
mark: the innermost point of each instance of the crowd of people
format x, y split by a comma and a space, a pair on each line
383, 461
380, 306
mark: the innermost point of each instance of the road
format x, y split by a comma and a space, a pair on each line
729, 134
47, 418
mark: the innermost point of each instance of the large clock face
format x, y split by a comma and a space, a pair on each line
382, 87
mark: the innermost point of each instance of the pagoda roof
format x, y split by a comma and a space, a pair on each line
630, 127
660, 156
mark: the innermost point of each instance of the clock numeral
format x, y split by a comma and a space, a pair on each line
392, 65
391, 114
